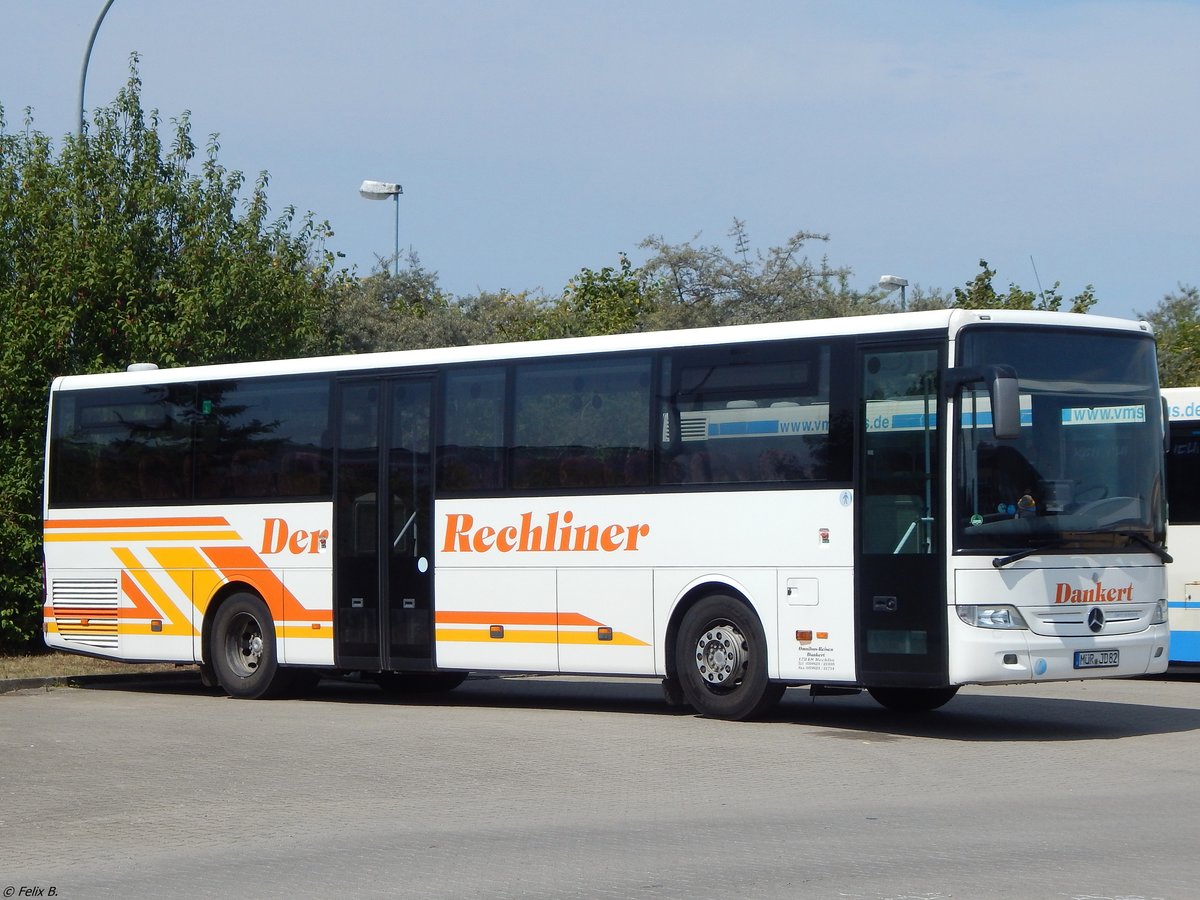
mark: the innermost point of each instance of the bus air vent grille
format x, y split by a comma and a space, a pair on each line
85, 610
693, 428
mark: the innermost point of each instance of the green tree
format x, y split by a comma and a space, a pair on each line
493, 317
386, 311
111, 252
611, 301
696, 286
1176, 323
409, 311
920, 298
979, 294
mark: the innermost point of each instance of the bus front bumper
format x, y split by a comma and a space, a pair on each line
999, 656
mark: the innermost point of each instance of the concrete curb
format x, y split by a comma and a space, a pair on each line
51, 681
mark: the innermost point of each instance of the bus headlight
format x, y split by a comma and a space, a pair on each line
981, 616
1159, 616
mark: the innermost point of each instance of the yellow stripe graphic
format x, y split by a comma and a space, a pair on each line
511, 636
191, 571
325, 632
179, 624
139, 536
584, 637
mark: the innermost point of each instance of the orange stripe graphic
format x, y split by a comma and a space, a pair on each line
454, 617
516, 636
142, 607
243, 564
90, 612
182, 522
196, 572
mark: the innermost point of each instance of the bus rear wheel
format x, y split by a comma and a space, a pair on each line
721, 660
903, 699
244, 655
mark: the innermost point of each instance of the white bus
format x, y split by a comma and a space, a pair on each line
1183, 505
902, 503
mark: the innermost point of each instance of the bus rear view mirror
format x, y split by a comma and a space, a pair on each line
1003, 392
1006, 404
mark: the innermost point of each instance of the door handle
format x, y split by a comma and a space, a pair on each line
404, 530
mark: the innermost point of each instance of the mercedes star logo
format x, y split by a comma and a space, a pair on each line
1096, 619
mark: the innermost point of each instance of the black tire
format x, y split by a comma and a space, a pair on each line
420, 682
721, 660
912, 700
244, 655
672, 692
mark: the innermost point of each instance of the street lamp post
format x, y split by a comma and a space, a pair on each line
890, 282
87, 55
381, 190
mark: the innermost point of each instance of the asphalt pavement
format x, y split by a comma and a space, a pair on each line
558, 787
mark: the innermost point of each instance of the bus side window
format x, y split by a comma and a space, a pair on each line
576, 424
471, 449
263, 438
751, 415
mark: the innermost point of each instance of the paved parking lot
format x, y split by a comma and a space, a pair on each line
559, 788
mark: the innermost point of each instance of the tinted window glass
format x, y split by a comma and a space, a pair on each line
1183, 473
263, 438
122, 445
899, 450
582, 424
471, 453
753, 413
1086, 469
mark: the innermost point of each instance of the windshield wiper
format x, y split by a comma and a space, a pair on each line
1157, 549
1001, 561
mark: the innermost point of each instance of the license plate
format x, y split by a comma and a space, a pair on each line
1097, 659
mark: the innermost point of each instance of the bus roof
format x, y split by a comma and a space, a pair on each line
949, 320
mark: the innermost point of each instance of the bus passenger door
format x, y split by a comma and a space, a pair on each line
383, 611
899, 570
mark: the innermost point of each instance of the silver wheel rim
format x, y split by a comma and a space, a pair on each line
244, 646
721, 655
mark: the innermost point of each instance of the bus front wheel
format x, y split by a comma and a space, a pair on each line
721, 660
244, 655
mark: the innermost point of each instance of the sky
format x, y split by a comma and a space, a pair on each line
1058, 140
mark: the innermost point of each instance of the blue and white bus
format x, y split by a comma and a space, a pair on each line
1183, 505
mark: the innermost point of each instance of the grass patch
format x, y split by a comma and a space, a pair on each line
57, 665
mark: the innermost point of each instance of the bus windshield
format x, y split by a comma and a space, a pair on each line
1086, 472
